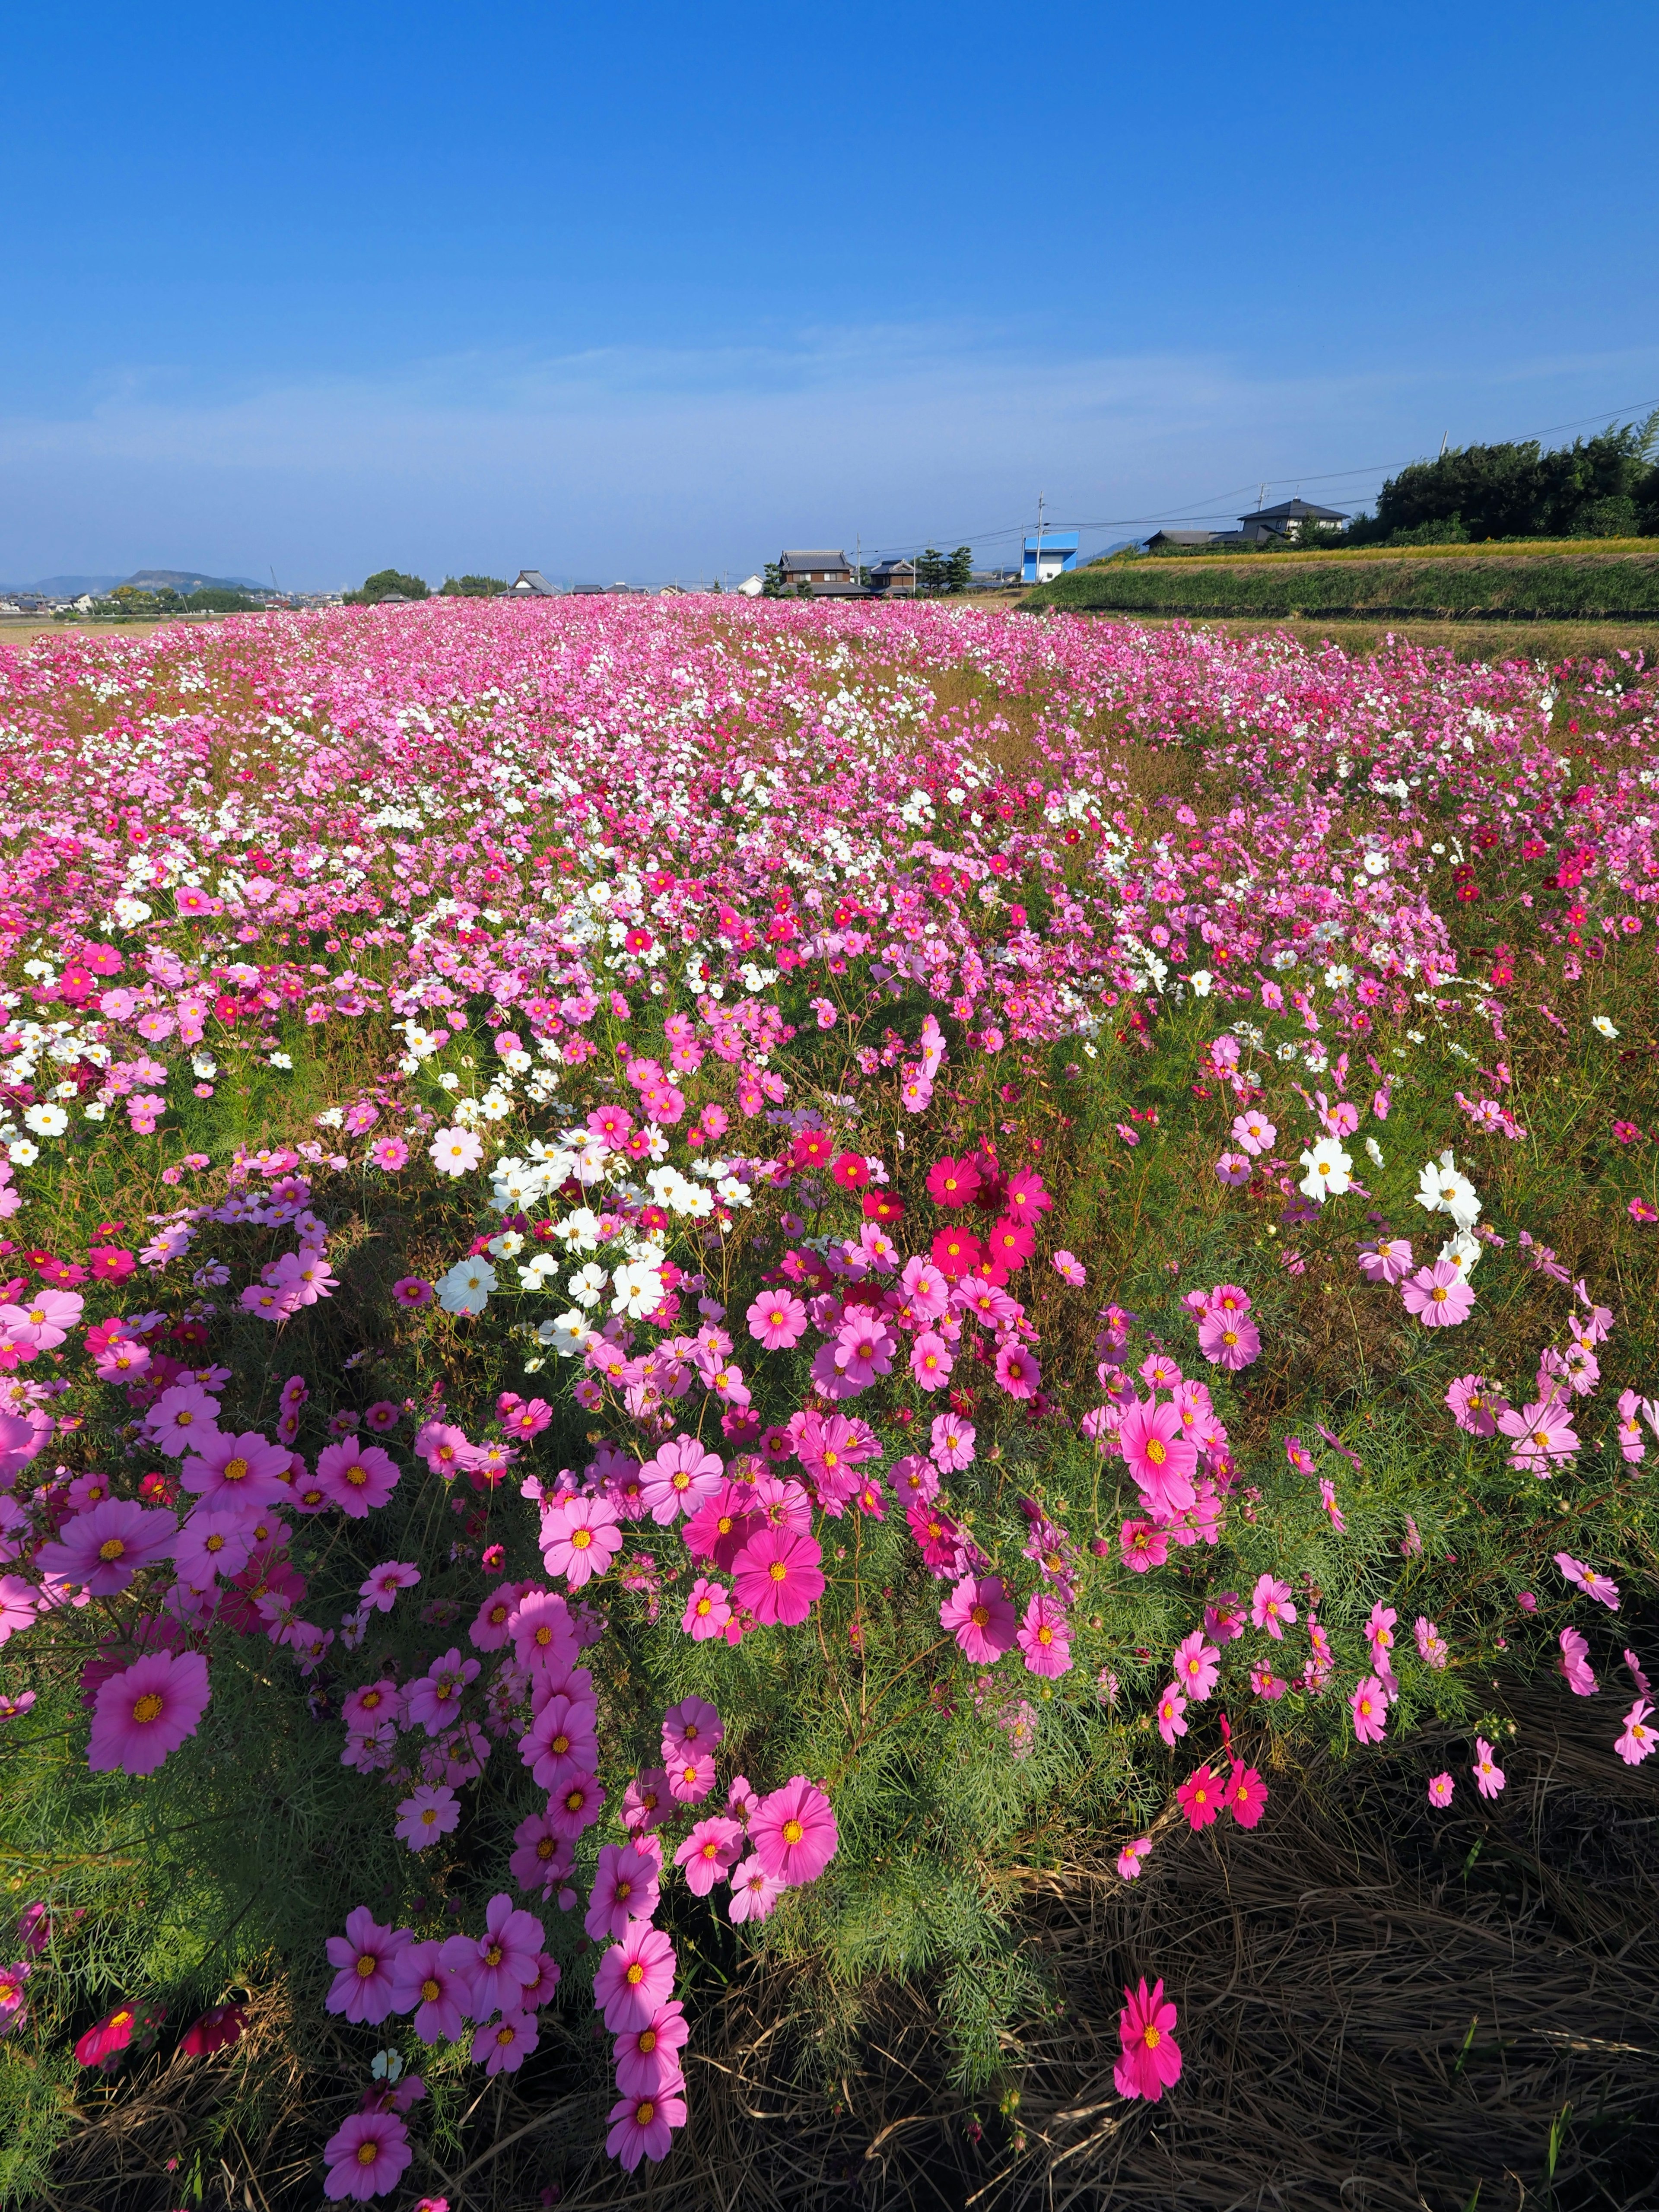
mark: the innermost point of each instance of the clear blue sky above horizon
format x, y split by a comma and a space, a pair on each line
652, 294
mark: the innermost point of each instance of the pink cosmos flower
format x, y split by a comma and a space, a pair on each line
1143, 1545
691, 1776
248, 1469
1229, 1341
1601, 1588
1132, 1857
1473, 1407
1149, 2061
1253, 1134
1068, 1265
1044, 1635
931, 1362
102, 1550
1543, 1434
754, 1892
635, 1977
709, 1852
647, 2058
1197, 1666
1017, 1371
951, 1443
1575, 1663
434, 1698
494, 1626
777, 1320
1438, 1296
1160, 1456
642, 2127
625, 1887
412, 1291
542, 1858
367, 2156
708, 1610
503, 2045
777, 1578
792, 1833
209, 1544
429, 1814
1199, 1796
506, 1957
1488, 1776
1231, 1168
1370, 1706
1224, 1618
981, 1617
692, 1725
1431, 1646
147, 1710
432, 1987
1271, 1607
1638, 1741
682, 1475
182, 1419
1388, 1262
559, 1743
1171, 1711
358, 1477
365, 1959
579, 1538
1440, 1789
380, 1589
544, 1636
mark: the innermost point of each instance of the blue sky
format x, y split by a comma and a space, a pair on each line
651, 292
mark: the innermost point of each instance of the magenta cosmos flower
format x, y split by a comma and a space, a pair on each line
1438, 1296
625, 1887
502, 2046
776, 1576
147, 1710
559, 1743
579, 1538
707, 1856
981, 1617
708, 1610
636, 1976
647, 2058
433, 1988
505, 1958
1159, 1454
777, 1320
1228, 1341
1149, 2061
643, 2127
357, 1476
682, 1475
102, 1550
365, 1960
1370, 1706
1017, 1371
793, 1832
367, 2156
431, 1812
1044, 1635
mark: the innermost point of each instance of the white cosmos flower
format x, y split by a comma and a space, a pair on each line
1374, 1152
570, 1335
1462, 1251
465, 1289
21, 1153
1601, 1022
1328, 1175
1442, 1189
587, 1286
46, 1121
639, 1291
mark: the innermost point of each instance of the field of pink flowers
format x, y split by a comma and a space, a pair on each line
689, 1282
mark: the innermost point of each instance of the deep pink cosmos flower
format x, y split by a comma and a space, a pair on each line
1017, 1371
793, 1832
1440, 1789
709, 1853
681, 1476
636, 1976
1149, 2061
357, 1477
1370, 1706
246, 1469
1488, 1776
544, 1636
1270, 1606
647, 2058
1201, 1797
367, 2156
1438, 1296
1246, 1795
579, 1538
1143, 1545
980, 1619
1197, 1665
1171, 1711
692, 1725
777, 1320
777, 1578
1159, 1454
542, 1858
182, 1419
708, 1610
1230, 1341
559, 1743
147, 1710
504, 2044
643, 2127
951, 1443
1045, 1635
366, 1961
433, 1988
102, 1550
434, 1698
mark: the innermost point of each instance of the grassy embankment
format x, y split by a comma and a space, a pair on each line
1550, 598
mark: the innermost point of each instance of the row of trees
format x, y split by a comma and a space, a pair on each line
1607, 486
394, 584
937, 575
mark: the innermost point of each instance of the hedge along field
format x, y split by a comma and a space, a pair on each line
697, 1289
1588, 583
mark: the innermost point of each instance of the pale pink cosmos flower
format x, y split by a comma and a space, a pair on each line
1438, 1296
560, 1744
1231, 1169
1440, 1789
981, 1617
1631, 1443
1266, 1684
1431, 1647
544, 1636
951, 1448
863, 1349
1601, 1588
692, 1725
777, 1320
210, 1544
708, 1610
455, 1151
681, 1476
182, 1419
579, 1538
1488, 1776
1068, 1265
1370, 1706
625, 1887
543, 1857
358, 1477
1474, 1406
925, 1289
1197, 1666
434, 1698
635, 1977
248, 1469
1575, 1663
1638, 1741
792, 1833
1389, 1263
380, 1589
1543, 1436
1271, 1607
1254, 1135
754, 1892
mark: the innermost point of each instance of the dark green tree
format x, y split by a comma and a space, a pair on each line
471, 587
384, 583
959, 569
1600, 486
772, 580
931, 570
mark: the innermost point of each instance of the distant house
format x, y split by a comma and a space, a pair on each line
1179, 541
1284, 520
890, 576
1050, 553
751, 588
817, 570
531, 584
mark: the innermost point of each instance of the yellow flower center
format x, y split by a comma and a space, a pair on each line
147, 1709
634, 1975
1156, 1452
111, 1549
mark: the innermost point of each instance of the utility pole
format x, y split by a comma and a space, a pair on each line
858, 559
1036, 565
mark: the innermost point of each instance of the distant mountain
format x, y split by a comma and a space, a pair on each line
69, 587
190, 579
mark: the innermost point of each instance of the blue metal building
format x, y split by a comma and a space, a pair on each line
1058, 553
